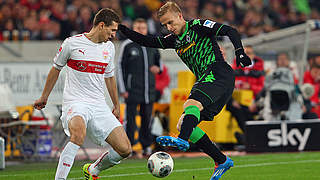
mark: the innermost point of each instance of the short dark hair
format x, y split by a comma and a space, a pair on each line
106, 15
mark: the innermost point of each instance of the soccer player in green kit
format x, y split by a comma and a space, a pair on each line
195, 43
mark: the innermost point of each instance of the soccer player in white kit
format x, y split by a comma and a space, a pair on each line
88, 58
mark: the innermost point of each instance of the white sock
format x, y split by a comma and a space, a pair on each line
105, 161
66, 160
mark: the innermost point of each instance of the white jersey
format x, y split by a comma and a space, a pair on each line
88, 63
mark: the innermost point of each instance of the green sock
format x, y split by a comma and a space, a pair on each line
190, 121
196, 134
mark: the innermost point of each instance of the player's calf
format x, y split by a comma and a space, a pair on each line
124, 150
105, 161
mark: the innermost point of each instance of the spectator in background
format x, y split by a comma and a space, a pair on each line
162, 82
191, 9
8, 29
247, 78
141, 10
251, 77
307, 91
136, 77
310, 61
313, 77
31, 26
84, 21
46, 4
283, 91
283, 61
252, 17
69, 26
154, 24
31, 4
208, 10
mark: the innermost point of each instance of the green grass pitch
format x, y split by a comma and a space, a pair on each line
273, 166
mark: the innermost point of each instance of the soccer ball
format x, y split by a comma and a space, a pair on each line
160, 164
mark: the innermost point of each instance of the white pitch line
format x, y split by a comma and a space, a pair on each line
181, 170
202, 169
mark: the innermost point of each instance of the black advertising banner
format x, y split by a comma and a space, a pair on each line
279, 136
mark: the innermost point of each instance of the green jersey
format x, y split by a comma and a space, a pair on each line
197, 46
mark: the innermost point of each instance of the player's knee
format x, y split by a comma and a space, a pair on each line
192, 102
180, 122
78, 138
178, 127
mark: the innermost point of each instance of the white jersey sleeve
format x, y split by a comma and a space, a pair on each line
62, 55
109, 72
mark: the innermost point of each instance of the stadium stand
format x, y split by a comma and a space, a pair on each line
58, 19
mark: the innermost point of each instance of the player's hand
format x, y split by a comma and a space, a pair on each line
125, 95
242, 58
245, 85
116, 111
253, 107
236, 104
154, 69
40, 103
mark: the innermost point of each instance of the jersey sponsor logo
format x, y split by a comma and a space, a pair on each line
87, 66
209, 23
183, 50
81, 65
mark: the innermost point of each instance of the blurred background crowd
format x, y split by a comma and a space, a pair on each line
58, 19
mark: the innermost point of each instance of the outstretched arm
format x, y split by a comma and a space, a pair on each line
216, 29
148, 41
50, 82
60, 60
112, 89
233, 35
241, 57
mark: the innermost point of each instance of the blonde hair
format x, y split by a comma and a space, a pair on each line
169, 6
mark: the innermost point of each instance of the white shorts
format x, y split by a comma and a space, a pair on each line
99, 120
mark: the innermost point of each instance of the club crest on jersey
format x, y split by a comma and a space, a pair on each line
81, 65
178, 42
188, 38
209, 23
105, 54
